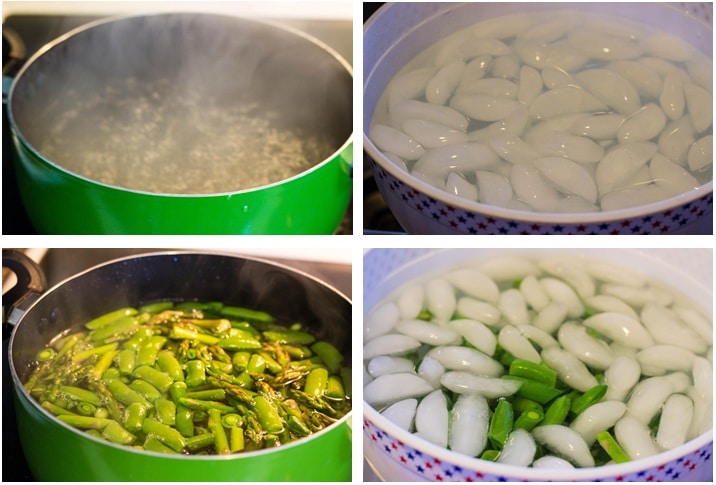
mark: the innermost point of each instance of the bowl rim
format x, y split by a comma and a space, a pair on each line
528, 473
469, 206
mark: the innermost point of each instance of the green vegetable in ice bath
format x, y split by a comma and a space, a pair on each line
192, 377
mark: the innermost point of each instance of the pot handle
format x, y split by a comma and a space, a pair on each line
15, 59
31, 283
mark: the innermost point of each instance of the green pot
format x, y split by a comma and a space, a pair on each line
57, 452
316, 80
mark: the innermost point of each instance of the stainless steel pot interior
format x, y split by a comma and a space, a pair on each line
227, 57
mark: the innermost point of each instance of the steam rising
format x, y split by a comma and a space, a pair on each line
185, 103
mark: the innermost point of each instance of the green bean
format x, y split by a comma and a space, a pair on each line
79, 394
126, 395
208, 394
110, 317
114, 329
147, 353
84, 422
115, 433
155, 377
153, 444
267, 415
46, 354
529, 419
534, 390
221, 442
134, 416
316, 382
195, 373
290, 337
169, 364
83, 355
166, 434
126, 361
330, 355
236, 437
557, 412
501, 424
199, 441
591, 396
246, 313
610, 445
535, 372
145, 389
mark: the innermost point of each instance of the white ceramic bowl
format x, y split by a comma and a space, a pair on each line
399, 455
398, 31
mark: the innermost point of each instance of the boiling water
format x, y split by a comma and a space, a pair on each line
553, 112
147, 137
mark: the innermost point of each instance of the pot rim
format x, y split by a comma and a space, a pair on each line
513, 214
537, 474
270, 24
19, 388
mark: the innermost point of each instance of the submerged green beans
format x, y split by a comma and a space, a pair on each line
192, 378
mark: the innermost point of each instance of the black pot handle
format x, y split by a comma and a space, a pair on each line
31, 283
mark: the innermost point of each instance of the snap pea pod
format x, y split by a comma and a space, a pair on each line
246, 313
290, 337
557, 412
195, 373
534, 372
114, 329
115, 433
108, 318
164, 433
79, 394
126, 361
534, 390
147, 353
135, 415
145, 389
591, 396
155, 377
170, 365
501, 424
126, 395
610, 445
529, 419
330, 355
